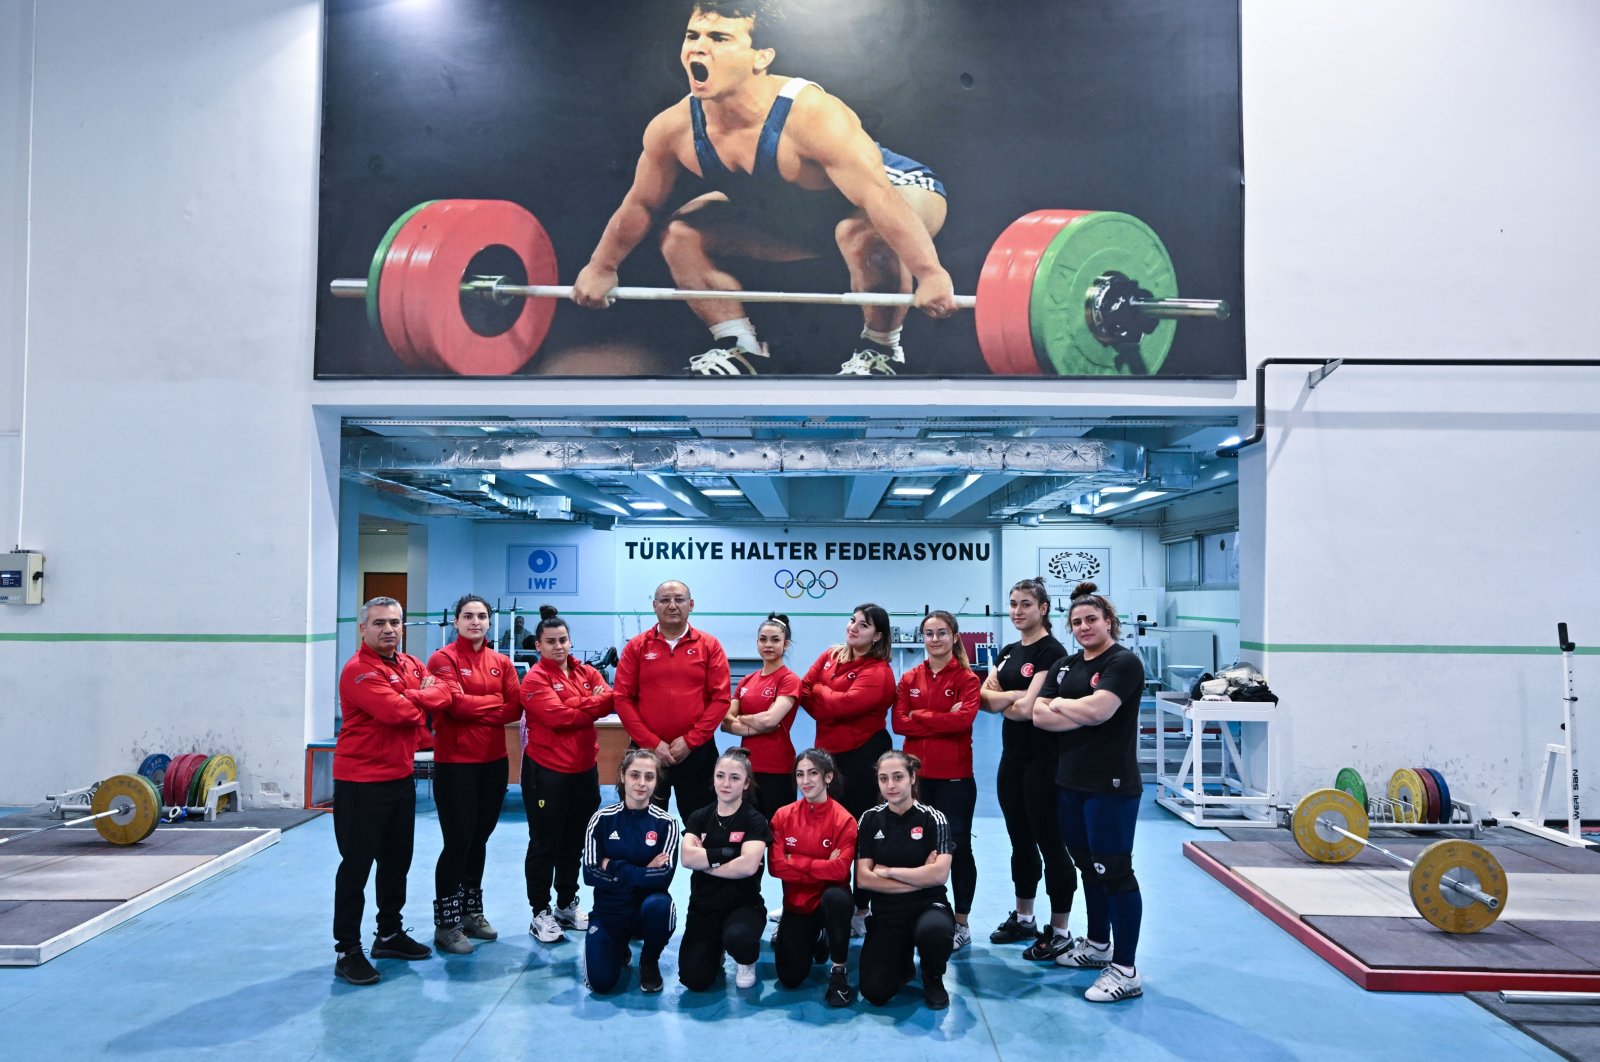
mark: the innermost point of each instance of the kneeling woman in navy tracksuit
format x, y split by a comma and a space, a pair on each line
629, 855
723, 843
903, 856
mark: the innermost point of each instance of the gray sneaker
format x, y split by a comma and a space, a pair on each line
545, 928
572, 917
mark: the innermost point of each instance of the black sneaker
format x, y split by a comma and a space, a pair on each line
840, 994
933, 993
1014, 930
1047, 947
400, 946
353, 966
649, 975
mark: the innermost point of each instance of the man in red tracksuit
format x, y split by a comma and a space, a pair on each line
384, 696
672, 694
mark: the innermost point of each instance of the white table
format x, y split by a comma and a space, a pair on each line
1242, 791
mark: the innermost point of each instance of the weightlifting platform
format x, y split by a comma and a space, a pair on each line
67, 886
1358, 915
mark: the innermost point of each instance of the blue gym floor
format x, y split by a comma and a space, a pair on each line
242, 966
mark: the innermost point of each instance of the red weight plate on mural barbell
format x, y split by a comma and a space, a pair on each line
391, 291
1005, 286
448, 239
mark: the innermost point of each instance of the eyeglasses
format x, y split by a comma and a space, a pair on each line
935, 636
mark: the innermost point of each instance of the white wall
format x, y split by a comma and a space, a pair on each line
1414, 535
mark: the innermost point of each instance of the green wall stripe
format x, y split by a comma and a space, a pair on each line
112, 636
1209, 619
1469, 650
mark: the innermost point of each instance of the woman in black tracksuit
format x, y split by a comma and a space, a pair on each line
724, 844
1026, 780
903, 856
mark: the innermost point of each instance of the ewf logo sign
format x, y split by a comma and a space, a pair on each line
537, 569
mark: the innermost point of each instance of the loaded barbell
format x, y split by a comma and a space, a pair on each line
125, 810
1061, 292
1458, 886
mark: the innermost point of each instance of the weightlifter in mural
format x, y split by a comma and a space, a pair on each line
793, 176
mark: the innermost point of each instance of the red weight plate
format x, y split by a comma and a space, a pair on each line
1005, 288
1432, 788
392, 290
169, 784
191, 766
447, 242
178, 777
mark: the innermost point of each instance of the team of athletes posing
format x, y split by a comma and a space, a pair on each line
896, 821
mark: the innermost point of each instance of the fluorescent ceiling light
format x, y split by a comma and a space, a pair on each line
1232, 440
647, 506
1118, 490
722, 492
912, 492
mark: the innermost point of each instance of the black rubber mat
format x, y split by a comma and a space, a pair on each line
1572, 1030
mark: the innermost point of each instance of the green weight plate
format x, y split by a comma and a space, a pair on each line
195, 778
1349, 780
1084, 249
375, 270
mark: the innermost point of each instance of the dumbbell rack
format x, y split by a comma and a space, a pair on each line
1386, 814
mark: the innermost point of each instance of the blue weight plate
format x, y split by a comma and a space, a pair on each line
155, 767
1444, 796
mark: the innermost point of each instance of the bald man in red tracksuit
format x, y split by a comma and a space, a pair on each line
384, 696
672, 693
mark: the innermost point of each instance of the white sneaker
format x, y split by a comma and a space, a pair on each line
1113, 985
963, 936
726, 361
1085, 954
858, 925
545, 928
871, 362
744, 976
572, 917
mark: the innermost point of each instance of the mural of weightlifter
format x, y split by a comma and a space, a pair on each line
730, 172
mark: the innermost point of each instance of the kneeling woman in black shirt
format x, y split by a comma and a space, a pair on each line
724, 843
903, 856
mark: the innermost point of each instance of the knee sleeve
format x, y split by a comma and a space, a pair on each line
1116, 873
1084, 860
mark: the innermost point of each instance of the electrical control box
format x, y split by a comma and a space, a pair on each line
22, 578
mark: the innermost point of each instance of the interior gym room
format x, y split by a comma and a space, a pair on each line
306, 303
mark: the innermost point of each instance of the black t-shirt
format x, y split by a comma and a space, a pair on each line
903, 841
724, 837
1014, 670
1102, 758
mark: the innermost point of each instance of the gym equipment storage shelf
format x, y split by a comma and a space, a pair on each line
1242, 791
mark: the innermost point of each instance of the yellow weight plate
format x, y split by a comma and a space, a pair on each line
1407, 790
1465, 862
1310, 821
137, 809
218, 770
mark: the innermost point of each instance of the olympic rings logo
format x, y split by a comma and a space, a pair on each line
805, 582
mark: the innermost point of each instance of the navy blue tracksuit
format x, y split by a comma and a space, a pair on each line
630, 898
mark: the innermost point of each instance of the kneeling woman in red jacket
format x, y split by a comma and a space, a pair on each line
813, 853
470, 769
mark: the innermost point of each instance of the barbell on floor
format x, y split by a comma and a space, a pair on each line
1061, 292
1458, 886
125, 810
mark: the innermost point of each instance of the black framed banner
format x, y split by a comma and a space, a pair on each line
514, 188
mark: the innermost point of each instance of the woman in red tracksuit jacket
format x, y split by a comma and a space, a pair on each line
562, 698
849, 691
470, 771
762, 713
813, 852
934, 706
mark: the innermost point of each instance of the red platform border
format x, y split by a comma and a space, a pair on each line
1387, 978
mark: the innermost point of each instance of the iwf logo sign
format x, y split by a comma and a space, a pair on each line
539, 569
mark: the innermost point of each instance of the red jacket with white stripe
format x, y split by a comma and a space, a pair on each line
560, 708
385, 716
805, 838
484, 697
849, 701
934, 713
666, 692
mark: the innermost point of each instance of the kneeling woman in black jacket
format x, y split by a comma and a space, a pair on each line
903, 856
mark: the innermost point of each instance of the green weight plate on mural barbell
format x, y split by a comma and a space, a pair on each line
1086, 248
375, 270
